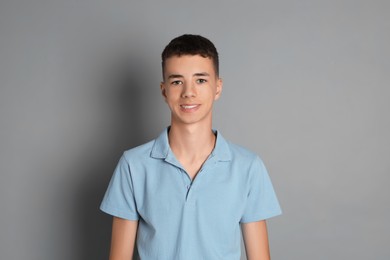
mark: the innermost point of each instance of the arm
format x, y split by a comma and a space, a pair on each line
123, 239
256, 240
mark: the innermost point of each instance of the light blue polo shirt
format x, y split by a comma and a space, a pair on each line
183, 219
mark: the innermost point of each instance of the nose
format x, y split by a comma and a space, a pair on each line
188, 91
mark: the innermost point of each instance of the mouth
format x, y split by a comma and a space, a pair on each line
187, 107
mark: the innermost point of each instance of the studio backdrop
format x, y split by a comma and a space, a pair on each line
306, 86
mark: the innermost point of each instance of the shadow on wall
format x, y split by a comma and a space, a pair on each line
124, 91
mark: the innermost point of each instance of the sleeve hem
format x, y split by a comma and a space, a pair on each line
119, 213
259, 217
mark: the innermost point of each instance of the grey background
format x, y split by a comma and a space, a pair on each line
306, 87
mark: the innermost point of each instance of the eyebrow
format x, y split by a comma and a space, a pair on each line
202, 74
172, 76
199, 74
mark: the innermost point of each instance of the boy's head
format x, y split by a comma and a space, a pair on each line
189, 44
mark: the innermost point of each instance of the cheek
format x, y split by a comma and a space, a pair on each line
170, 99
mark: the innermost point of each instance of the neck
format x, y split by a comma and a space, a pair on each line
191, 142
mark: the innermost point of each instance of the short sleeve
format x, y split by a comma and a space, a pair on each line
261, 202
119, 198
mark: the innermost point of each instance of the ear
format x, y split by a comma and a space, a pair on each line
162, 88
219, 88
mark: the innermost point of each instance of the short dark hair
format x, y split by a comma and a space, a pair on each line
189, 44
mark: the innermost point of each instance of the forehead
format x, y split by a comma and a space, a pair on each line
185, 64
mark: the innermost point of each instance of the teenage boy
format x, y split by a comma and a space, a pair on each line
189, 193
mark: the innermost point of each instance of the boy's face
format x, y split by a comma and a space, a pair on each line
190, 88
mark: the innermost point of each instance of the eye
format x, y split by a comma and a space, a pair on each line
176, 82
201, 81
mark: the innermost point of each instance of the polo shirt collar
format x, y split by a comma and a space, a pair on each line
221, 150
161, 147
162, 150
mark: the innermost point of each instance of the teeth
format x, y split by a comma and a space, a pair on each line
189, 107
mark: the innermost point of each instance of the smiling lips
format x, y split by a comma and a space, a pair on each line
189, 108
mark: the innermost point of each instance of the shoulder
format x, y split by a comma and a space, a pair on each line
241, 158
246, 158
139, 153
239, 153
